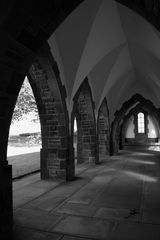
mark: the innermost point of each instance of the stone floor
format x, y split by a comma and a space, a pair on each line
118, 199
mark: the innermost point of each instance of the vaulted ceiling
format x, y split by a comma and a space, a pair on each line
117, 49
103, 40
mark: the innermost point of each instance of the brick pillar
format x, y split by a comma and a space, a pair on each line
103, 128
114, 146
54, 152
70, 160
97, 160
103, 149
86, 126
53, 163
86, 142
44, 79
115, 136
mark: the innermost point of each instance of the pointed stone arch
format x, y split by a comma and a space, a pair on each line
103, 129
83, 110
50, 98
119, 116
134, 111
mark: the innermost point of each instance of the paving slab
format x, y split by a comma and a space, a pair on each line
26, 194
22, 233
69, 188
133, 231
123, 192
151, 216
118, 214
36, 219
153, 169
150, 188
85, 227
21, 183
150, 203
46, 202
47, 184
76, 209
90, 191
79, 168
116, 200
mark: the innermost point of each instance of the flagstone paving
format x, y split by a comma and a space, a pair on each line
115, 200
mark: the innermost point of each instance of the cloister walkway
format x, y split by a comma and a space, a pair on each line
118, 199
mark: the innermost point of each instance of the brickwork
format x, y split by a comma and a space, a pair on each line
86, 127
54, 152
103, 128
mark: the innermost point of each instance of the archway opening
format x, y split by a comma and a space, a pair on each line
141, 130
25, 135
147, 134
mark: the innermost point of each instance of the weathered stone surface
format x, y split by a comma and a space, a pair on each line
52, 113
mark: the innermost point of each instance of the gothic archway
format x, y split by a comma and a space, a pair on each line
119, 116
103, 130
50, 97
134, 114
83, 110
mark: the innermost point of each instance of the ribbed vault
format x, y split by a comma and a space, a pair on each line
111, 45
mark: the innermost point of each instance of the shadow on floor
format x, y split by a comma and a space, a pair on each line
118, 199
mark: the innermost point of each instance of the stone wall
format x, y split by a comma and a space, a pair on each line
54, 152
86, 126
103, 129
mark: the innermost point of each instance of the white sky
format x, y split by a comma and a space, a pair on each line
25, 126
